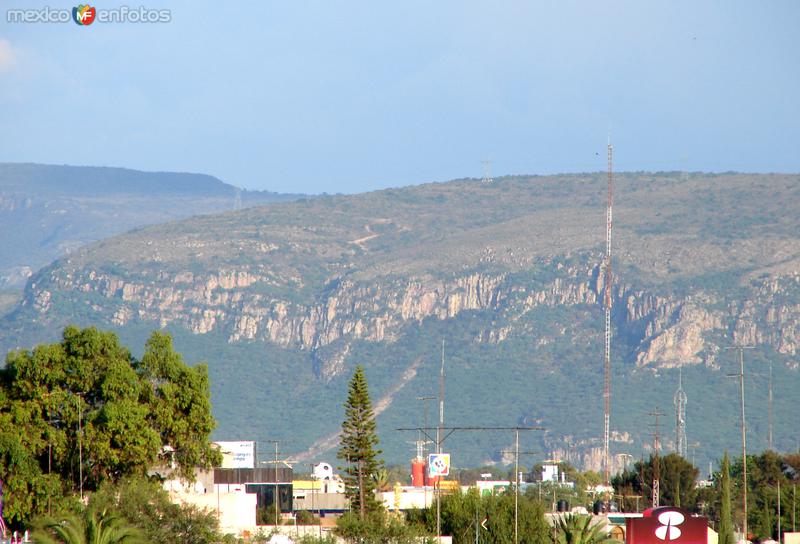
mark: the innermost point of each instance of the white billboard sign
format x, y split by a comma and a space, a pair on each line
238, 454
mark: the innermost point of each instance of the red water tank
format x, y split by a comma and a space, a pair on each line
417, 472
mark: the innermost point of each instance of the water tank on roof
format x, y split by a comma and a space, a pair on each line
418, 472
323, 471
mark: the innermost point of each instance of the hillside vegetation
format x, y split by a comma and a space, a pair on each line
283, 300
47, 211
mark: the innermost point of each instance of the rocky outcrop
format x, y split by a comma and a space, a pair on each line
665, 330
680, 340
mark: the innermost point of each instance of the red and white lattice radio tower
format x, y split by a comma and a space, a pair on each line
607, 360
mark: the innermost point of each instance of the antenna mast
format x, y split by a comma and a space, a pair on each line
656, 461
607, 361
487, 171
680, 417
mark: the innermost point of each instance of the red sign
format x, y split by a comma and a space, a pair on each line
666, 525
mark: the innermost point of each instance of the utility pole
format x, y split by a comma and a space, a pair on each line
517, 453
275, 474
516, 486
740, 375
437, 489
779, 507
277, 494
422, 442
656, 461
313, 497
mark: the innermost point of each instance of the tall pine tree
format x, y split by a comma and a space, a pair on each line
725, 522
358, 447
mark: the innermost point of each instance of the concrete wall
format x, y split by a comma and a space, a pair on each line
315, 501
233, 507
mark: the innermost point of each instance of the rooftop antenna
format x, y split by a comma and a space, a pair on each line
607, 359
680, 400
487, 171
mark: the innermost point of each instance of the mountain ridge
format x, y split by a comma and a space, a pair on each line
508, 272
47, 211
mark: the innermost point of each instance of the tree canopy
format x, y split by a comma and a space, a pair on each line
464, 514
83, 411
676, 476
359, 446
725, 527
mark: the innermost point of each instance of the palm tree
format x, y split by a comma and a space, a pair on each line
91, 528
574, 529
381, 478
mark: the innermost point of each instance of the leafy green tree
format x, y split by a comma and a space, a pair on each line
378, 527
468, 476
94, 527
764, 473
677, 478
765, 522
147, 506
463, 514
358, 447
725, 521
180, 404
575, 529
83, 411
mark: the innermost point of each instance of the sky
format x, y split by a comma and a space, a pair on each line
354, 96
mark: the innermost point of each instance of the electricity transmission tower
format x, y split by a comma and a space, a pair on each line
607, 351
487, 171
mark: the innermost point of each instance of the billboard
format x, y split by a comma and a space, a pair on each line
438, 464
666, 524
238, 454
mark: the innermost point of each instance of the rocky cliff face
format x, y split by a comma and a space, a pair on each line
509, 271
664, 330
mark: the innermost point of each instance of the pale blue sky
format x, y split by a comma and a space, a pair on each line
351, 96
